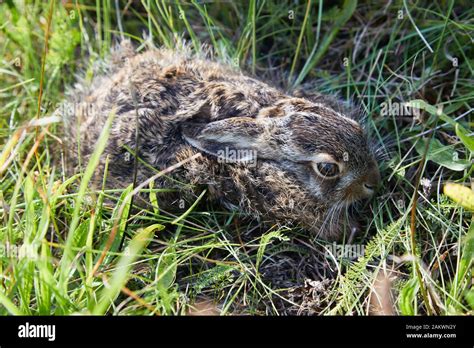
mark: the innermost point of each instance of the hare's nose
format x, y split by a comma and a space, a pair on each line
370, 187
373, 181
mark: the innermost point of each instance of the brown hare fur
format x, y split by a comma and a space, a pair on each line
293, 160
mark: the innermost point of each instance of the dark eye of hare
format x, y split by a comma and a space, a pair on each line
327, 169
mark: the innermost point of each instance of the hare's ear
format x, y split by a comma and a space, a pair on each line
239, 139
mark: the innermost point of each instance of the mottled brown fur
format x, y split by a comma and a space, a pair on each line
187, 103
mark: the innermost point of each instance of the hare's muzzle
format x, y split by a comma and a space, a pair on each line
372, 182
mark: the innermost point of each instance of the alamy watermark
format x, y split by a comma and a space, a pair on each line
28, 251
400, 109
28, 330
230, 155
348, 251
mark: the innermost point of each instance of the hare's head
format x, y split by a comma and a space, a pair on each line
323, 153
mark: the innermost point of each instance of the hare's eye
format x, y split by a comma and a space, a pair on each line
327, 169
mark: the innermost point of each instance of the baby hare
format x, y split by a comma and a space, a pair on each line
284, 159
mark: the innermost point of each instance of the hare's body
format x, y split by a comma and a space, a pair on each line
259, 146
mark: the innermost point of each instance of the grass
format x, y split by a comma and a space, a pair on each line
60, 240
